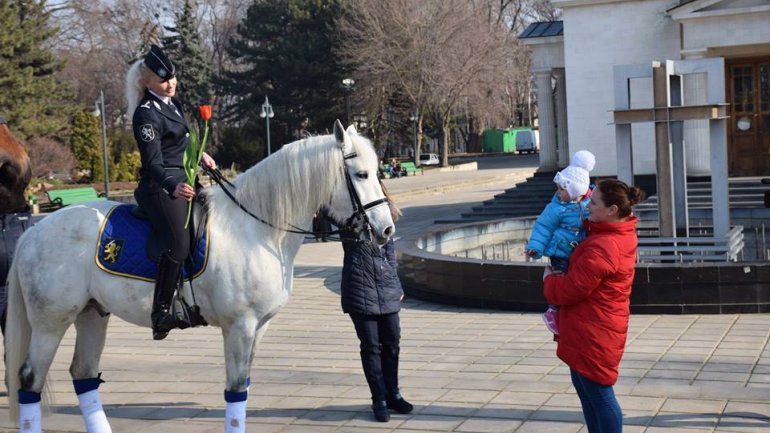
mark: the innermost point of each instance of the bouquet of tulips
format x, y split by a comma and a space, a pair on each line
194, 152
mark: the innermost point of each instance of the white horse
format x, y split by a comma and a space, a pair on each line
54, 281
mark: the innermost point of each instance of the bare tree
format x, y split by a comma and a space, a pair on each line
49, 156
444, 56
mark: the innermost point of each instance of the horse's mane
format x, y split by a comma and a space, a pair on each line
269, 189
15, 172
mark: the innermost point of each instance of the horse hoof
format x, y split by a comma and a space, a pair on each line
159, 335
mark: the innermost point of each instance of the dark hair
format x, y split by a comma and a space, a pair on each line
395, 211
616, 192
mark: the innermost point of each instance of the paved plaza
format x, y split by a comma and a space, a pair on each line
466, 370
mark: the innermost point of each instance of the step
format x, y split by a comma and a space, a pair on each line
502, 214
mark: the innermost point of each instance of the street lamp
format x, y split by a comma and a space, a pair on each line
267, 114
347, 84
100, 112
414, 115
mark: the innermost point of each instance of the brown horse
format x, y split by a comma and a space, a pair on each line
15, 171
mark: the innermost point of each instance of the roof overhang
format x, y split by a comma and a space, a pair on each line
716, 8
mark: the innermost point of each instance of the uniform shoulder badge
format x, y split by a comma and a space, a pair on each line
146, 105
147, 132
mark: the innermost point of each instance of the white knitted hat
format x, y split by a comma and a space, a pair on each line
575, 178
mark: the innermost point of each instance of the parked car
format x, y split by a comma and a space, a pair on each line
429, 159
526, 140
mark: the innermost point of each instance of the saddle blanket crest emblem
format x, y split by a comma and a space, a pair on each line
121, 248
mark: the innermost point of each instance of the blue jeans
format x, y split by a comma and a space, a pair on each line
600, 407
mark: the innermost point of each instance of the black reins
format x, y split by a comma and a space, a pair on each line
359, 209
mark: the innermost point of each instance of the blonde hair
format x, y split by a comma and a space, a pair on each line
135, 84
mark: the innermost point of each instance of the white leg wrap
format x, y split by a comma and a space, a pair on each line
235, 417
93, 413
29, 418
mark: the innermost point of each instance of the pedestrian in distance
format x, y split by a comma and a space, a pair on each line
162, 135
594, 297
559, 228
371, 295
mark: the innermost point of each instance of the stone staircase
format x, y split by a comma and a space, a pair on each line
743, 192
525, 199
529, 199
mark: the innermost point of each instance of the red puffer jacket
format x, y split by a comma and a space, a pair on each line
594, 298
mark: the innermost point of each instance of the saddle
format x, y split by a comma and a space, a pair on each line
129, 246
198, 220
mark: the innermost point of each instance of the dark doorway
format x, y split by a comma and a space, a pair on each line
748, 86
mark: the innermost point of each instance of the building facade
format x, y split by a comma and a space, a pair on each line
573, 71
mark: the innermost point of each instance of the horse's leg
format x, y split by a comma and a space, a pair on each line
32, 375
239, 341
89, 343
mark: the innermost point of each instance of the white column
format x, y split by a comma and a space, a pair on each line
562, 145
696, 132
545, 116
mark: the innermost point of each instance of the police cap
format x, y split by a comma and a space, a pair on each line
159, 63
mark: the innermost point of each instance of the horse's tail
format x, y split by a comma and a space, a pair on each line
17, 338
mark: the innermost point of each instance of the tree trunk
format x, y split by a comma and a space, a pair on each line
445, 136
418, 142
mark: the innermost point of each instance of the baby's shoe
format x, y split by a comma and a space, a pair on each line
551, 319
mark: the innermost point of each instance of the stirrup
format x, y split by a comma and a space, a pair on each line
186, 315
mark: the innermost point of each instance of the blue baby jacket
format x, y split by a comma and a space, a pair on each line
559, 228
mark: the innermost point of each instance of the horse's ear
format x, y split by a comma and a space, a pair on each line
344, 138
339, 131
351, 130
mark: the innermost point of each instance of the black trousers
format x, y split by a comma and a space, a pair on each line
12, 225
167, 216
379, 336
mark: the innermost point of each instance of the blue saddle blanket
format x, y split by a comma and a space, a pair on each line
121, 249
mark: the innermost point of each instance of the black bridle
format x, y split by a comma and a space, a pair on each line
358, 220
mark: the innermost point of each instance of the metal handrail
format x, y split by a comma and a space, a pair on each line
692, 249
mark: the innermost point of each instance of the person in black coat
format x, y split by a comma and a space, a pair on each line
371, 295
162, 134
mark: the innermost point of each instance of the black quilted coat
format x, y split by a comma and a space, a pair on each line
370, 284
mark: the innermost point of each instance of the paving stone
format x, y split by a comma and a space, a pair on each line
485, 425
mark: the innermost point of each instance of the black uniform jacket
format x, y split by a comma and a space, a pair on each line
162, 136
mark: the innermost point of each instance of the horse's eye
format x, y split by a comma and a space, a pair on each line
362, 175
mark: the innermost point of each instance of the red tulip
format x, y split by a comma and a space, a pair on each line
205, 112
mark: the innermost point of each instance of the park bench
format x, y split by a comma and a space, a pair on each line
66, 197
410, 168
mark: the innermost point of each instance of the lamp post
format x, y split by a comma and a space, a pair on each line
347, 84
101, 113
414, 115
267, 114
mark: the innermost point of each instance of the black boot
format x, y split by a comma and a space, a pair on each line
165, 286
395, 400
397, 403
380, 409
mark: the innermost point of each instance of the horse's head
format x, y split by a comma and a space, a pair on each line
15, 171
361, 194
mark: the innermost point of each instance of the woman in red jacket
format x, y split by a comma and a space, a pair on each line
594, 298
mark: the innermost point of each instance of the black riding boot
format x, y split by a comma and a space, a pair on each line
165, 286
